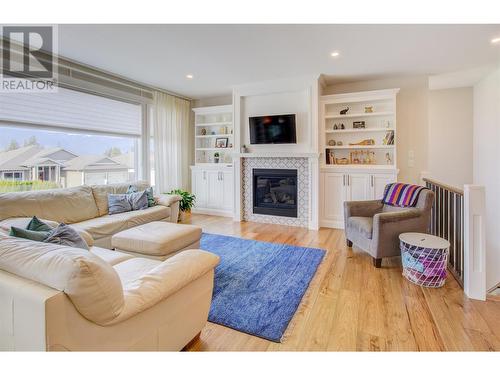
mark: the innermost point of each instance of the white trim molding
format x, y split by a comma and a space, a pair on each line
475, 242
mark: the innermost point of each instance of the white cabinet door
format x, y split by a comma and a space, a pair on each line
214, 189
358, 187
378, 182
200, 187
333, 196
227, 190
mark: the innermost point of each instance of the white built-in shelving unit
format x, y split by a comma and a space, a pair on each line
377, 124
370, 167
212, 179
212, 124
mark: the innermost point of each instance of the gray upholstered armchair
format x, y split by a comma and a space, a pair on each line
375, 227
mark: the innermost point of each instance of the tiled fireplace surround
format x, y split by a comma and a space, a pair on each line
302, 167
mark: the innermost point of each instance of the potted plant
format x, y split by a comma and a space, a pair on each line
216, 157
186, 202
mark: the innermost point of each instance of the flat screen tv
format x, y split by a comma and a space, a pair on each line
275, 129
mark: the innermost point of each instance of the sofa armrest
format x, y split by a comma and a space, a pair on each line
164, 280
168, 199
362, 208
387, 226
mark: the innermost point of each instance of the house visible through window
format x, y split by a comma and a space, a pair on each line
43, 159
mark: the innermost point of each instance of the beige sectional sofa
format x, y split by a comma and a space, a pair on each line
85, 208
56, 298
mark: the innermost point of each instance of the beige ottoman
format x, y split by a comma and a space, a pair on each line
157, 239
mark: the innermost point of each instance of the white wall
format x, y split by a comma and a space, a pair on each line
486, 169
450, 134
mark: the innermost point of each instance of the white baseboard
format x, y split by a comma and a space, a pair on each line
211, 211
337, 224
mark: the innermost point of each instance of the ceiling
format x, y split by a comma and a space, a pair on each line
222, 56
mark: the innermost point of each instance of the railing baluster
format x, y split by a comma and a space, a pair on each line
447, 221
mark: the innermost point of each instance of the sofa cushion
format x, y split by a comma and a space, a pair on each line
92, 285
62, 205
101, 192
363, 225
131, 269
110, 256
108, 225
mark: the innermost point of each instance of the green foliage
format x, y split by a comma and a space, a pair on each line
8, 185
187, 201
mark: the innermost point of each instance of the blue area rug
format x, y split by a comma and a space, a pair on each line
259, 285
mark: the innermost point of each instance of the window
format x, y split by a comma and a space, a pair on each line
47, 159
67, 139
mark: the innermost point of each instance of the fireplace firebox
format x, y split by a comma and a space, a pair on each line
275, 192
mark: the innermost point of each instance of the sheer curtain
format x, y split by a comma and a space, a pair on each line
171, 140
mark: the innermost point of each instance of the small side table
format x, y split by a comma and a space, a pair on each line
424, 258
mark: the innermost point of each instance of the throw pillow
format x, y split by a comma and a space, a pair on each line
67, 236
118, 203
138, 201
131, 189
32, 235
149, 191
37, 225
151, 197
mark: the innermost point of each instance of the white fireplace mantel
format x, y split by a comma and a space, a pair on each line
277, 155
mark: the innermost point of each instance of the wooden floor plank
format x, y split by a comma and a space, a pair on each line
351, 305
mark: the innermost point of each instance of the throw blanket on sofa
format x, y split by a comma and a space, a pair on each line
402, 195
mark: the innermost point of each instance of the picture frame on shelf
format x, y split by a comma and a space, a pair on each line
358, 125
221, 142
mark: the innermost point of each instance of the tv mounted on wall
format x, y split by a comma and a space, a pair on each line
275, 129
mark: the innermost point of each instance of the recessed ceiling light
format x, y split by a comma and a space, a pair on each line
335, 54
495, 40
189, 76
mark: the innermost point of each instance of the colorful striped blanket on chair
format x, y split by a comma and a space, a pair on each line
401, 195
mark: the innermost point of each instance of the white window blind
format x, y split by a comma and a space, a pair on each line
71, 109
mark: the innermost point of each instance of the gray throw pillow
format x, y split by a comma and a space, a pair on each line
138, 201
149, 192
118, 203
67, 236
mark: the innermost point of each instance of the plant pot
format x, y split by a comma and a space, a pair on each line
216, 160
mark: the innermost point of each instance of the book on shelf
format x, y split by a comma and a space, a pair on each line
389, 138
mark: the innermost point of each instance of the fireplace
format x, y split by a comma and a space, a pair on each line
275, 192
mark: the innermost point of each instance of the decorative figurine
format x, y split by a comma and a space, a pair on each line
342, 126
331, 142
388, 158
339, 143
344, 111
335, 127
203, 131
369, 109
366, 142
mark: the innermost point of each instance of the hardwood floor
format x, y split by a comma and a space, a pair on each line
351, 305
